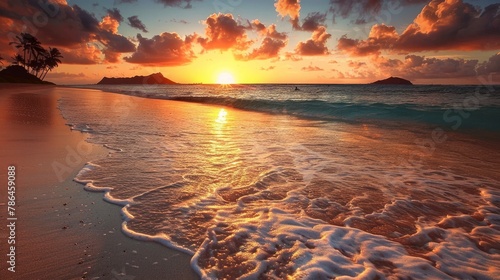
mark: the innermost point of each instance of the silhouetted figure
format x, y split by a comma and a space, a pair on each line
296, 88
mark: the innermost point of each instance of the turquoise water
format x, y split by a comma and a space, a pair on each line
262, 181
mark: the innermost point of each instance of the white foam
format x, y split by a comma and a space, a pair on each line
308, 249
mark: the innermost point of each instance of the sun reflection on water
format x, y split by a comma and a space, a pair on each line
222, 117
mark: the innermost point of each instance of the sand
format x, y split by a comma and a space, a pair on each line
62, 231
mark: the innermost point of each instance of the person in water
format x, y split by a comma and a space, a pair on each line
296, 88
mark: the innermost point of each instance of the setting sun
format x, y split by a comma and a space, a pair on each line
225, 78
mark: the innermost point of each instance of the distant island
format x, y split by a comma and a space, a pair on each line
392, 81
153, 79
17, 74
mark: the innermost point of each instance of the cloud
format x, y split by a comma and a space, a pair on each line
316, 45
363, 9
381, 37
68, 29
270, 46
490, 66
269, 31
289, 8
84, 54
257, 25
109, 24
177, 3
421, 67
313, 21
64, 75
453, 25
311, 68
356, 64
267, 68
115, 14
135, 22
223, 32
166, 49
441, 25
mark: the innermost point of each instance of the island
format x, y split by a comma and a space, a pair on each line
17, 74
392, 81
153, 79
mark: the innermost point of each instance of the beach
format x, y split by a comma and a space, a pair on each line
189, 181
63, 231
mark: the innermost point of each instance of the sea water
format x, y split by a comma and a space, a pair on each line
328, 181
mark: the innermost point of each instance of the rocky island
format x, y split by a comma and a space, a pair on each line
153, 79
392, 81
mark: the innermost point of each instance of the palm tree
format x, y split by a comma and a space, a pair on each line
52, 60
18, 60
20, 43
30, 45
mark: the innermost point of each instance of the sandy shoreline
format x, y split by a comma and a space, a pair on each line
62, 231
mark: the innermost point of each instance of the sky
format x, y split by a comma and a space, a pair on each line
263, 41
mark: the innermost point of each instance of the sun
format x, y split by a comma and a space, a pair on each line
225, 78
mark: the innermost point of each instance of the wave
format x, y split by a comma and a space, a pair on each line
478, 118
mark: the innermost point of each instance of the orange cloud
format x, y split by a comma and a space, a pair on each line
223, 32
269, 48
316, 45
289, 8
70, 28
166, 49
441, 25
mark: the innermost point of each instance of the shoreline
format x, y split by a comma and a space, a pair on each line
64, 231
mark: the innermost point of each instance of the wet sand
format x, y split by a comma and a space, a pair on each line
62, 231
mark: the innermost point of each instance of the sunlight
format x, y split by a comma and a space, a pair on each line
222, 116
225, 78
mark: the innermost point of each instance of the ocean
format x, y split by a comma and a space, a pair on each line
323, 182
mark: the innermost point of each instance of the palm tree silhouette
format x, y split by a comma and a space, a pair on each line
51, 61
35, 59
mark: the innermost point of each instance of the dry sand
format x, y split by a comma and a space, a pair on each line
62, 231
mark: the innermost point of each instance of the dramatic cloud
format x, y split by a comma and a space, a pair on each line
453, 25
364, 9
313, 21
135, 22
166, 49
109, 24
316, 45
269, 31
115, 14
223, 32
67, 28
381, 37
441, 25
84, 54
270, 46
289, 8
